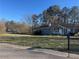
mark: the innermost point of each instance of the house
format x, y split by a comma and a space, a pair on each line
58, 29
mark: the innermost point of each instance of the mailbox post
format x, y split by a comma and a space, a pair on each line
68, 37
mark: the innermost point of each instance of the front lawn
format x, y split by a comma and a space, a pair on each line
44, 42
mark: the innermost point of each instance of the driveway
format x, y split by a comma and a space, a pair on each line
8, 52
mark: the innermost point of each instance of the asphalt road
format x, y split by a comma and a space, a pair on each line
7, 52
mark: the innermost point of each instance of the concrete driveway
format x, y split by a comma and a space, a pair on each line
8, 52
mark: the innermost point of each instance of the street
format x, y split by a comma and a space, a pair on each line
8, 52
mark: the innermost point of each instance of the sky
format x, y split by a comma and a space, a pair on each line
17, 9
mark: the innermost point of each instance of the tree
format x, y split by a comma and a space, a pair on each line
51, 14
20, 28
65, 15
35, 20
27, 21
2, 27
74, 14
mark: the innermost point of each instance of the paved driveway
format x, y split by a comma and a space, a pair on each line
7, 52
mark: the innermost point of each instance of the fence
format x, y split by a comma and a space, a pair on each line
74, 45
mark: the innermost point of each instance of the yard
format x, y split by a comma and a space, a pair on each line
44, 42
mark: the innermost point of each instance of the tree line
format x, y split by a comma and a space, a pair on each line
14, 27
56, 17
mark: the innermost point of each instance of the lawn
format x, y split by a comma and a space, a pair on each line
44, 42
8, 34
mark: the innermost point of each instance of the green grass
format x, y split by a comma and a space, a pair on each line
42, 42
56, 43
